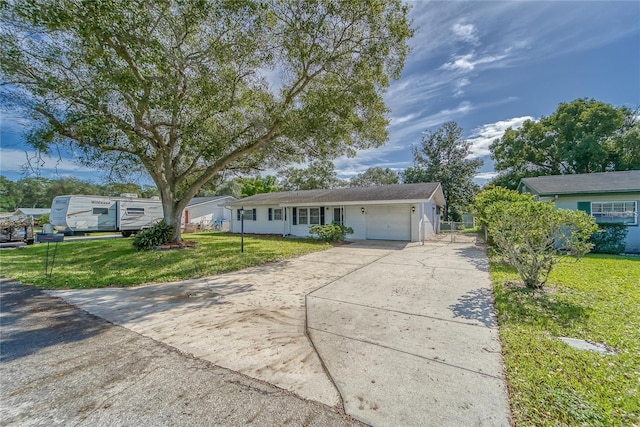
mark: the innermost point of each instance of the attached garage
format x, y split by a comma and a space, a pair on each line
389, 222
403, 212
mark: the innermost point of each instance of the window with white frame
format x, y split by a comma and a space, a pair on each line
621, 212
314, 216
303, 216
277, 214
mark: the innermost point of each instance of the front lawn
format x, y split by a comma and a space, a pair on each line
114, 262
551, 384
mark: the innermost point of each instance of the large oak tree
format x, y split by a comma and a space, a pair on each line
189, 89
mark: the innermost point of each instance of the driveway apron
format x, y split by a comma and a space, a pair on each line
411, 339
251, 321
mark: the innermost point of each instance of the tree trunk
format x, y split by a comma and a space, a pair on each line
172, 215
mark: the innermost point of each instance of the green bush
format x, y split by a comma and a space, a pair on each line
44, 219
609, 239
157, 235
331, 232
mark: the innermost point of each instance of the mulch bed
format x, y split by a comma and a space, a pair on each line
177, 245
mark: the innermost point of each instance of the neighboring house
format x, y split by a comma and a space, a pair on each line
204, 211
607, 196
408, 212
33, 213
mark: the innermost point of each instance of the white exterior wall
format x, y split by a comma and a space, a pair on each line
261, 225
423, 221
207, 211
633, 234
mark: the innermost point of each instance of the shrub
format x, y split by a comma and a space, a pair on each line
331, 232
609, 239
44, 219
487, 198
531, 235
149, 238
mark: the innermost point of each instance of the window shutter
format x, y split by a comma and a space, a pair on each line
238, 214
322, 216
254, 214
270, 214
295, 216
585, 206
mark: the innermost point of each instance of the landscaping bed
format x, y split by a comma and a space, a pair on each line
551, 383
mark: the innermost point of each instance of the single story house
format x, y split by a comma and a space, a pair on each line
205, 211
607, 196
409, 212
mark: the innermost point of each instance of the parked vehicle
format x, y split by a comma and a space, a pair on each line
127, 214
16, 230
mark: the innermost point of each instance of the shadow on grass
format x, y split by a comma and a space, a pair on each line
519, 304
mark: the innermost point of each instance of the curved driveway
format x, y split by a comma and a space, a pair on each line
401, 334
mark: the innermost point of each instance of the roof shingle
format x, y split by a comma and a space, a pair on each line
421, 191
603, 182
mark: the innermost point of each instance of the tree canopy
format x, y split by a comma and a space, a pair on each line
374, 176
582, 136
189, 89
442, 156
37, 192
318, 175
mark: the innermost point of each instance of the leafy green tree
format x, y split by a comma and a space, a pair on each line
10, 196
259, 185
534, 236
319, 175
375, 176
188, 89
485, 199
582, 136
442, 156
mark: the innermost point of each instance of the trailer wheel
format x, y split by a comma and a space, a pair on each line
127, 233
30, 241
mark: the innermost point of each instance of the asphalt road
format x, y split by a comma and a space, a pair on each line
62, 366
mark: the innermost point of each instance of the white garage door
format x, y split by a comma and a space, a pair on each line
389, 222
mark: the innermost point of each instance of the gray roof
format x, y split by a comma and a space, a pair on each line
198, 200
399, 192
34, 211
586, 183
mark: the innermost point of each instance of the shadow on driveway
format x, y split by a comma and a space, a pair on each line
26, 329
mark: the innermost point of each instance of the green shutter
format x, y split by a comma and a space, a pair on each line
585, 206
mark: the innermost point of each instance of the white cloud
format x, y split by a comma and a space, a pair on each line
13, 160
486, 175
469, 62
395, 121
465, 32
482, 137
459, 85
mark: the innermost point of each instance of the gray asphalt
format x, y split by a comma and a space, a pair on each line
62, 366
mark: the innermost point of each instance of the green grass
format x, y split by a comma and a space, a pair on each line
114, 262
551, 384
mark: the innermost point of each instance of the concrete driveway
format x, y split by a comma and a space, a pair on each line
401, 334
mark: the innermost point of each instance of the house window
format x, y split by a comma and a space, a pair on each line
277, 214
314, 216
621, 212
101, 211
135, 211
248, 215
303, 216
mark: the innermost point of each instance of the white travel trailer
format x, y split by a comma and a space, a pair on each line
126, 214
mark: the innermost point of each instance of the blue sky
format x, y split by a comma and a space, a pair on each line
485, 65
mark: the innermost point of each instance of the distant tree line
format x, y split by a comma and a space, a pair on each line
39, 192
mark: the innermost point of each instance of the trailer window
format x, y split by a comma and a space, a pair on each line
101, 211
135, 211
